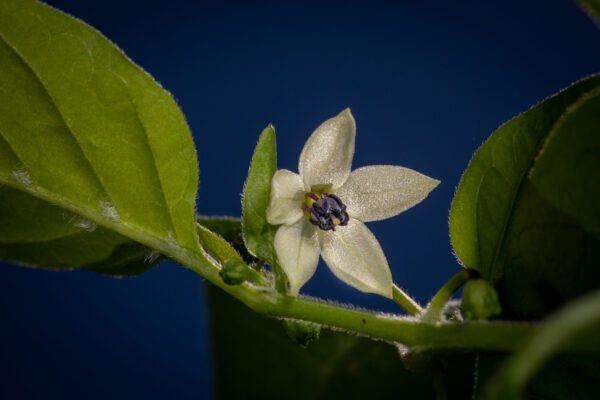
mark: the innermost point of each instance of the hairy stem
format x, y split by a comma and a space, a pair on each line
407, 330
407, 303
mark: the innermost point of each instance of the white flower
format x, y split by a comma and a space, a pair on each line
322, 210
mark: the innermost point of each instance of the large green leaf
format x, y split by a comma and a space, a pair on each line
85, 129
537, 256
254, 359
547, 259
573, 146
258, 233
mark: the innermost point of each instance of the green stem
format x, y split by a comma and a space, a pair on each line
435, 307
408, 331
407, 303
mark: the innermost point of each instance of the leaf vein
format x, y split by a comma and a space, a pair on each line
55, 105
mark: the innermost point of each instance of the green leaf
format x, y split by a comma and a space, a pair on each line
230, 229
547, 259
258, 233
501, 227
216, 246
566, 175
262, 362
85, 129
592, 8
62, 240
574, 145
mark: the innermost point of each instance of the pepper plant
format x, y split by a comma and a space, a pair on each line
524, 224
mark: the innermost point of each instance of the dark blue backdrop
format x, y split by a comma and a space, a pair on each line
427, 83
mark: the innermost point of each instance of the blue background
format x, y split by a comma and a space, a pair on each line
427, 83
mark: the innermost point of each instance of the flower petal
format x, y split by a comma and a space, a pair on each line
287, 195
298, 249
353, 254
326, 158
381, 191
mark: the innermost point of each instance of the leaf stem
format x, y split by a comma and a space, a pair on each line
434, 309
407, 303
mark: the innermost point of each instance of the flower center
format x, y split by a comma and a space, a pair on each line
326, 211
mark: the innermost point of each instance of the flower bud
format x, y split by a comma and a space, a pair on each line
234, 271
480, 300
302, 332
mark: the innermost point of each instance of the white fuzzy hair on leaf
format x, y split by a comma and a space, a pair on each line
22, 176
108, 210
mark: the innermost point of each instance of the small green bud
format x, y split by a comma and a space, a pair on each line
234, 271
302, 332
480, 300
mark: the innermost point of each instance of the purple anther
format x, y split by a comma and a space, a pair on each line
327, 212
313, 196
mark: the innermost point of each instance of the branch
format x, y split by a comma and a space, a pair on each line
406, 330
